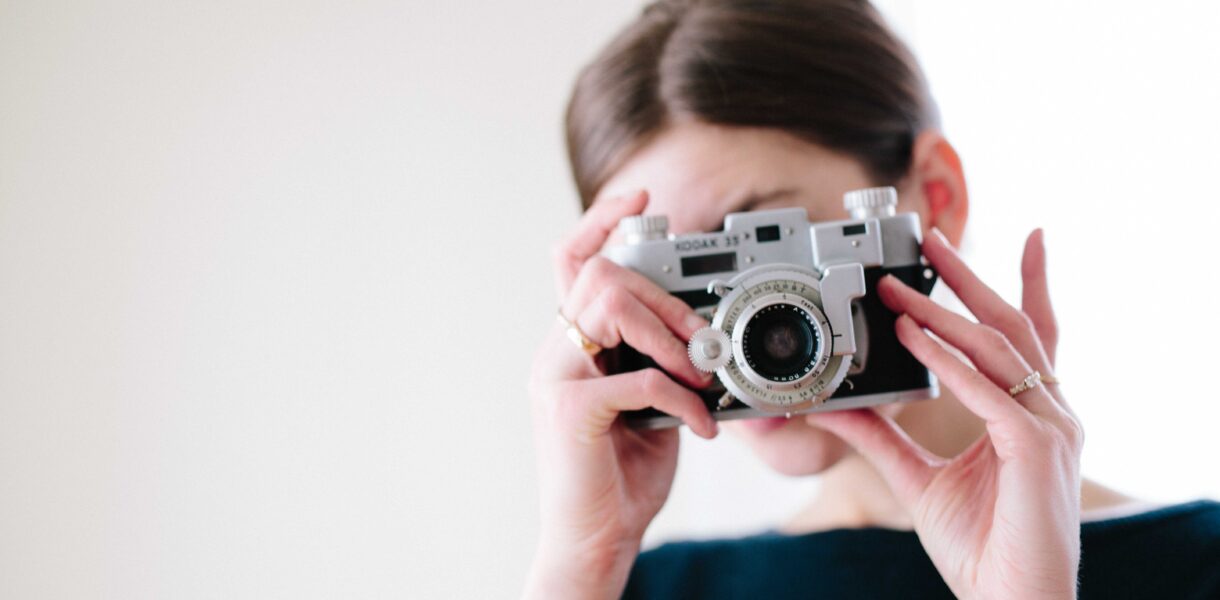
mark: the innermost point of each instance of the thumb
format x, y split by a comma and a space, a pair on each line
906, 466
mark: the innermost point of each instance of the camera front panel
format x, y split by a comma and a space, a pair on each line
890, 374
882, 370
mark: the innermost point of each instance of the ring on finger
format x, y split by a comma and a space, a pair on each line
1030, 382
577, 336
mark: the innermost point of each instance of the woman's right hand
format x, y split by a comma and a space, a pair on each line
601, 482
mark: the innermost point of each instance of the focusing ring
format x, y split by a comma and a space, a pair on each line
752, 291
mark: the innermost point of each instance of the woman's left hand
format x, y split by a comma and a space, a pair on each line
1002, 519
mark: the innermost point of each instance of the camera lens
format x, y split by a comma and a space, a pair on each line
780, 342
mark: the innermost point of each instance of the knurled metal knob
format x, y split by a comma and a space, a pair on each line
709, 349
871, 202
639, 228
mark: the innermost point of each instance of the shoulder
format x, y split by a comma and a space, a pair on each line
1172, 551
833, 564
1168, 552
1194, 525
696, 569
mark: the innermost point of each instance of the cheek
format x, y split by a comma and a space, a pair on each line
794, 449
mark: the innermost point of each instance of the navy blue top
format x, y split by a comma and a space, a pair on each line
1170, 552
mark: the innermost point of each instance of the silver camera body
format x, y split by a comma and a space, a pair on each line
796, 324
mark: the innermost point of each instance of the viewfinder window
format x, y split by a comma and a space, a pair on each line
770, 233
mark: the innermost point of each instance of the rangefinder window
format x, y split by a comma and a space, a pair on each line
709, 263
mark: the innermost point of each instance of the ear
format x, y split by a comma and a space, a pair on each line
935, 187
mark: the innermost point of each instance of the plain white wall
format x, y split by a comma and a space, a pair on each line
271, 274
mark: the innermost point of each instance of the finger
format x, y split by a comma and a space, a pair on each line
906, 466
989, 350
984, 302
617, 316
977, 393
1035, 295
592, 405
600, 273
590, 234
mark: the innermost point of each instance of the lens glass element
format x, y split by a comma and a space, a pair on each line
781, 342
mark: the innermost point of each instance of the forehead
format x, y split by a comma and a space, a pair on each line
696, 173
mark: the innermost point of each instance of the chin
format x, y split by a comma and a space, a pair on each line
790, 446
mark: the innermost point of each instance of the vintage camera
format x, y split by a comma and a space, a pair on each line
796, 323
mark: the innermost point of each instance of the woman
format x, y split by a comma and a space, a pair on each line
699, 109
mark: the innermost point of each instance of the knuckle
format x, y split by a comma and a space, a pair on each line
599, 268
993, 339
1063, 435
1016, 321
1030, 427
1073, 433
649, 339
1030, 432
667, 305
1008, 445
614, 301
653, 382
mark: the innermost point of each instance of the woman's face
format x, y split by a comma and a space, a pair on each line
695, 174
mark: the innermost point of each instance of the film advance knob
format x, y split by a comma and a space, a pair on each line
871, 202
709, 349
640, 228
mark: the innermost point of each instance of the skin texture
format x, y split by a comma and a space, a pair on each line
994, 495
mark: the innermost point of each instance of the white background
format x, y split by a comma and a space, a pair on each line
271, 275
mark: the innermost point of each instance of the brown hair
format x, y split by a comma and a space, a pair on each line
828, 71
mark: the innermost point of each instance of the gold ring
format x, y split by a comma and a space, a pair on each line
577, 336
1029, 382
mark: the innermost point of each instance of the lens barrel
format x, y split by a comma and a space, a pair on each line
780, 342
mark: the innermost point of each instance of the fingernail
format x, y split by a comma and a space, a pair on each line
883, 286
892, 287
694, 323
